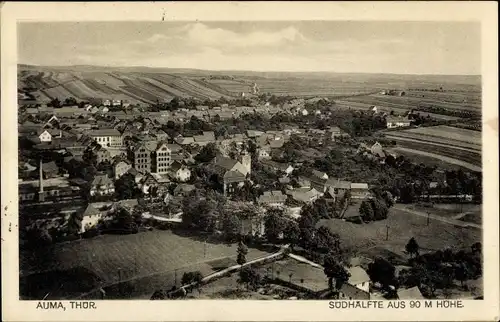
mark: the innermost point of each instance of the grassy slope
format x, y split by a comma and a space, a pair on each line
402, 226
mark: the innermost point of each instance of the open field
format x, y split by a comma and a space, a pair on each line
449, 144
432, 159
452, 133
370, 238
151, 257
450, 210
413, 102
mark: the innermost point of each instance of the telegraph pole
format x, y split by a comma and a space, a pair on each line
119, 281
205, 249
387, 232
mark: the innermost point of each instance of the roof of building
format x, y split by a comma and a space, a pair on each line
358, 275
104, 132
91, 210
161, 178
254, 133
393, 119
207, 136
234, 176
275, 196
339, 184
334, 129
183, 140
303, 194
276, 144
176, 165
224, 162
319, 174
50, 167
184, 188
410, 294
101, 179
359, 186
352, 292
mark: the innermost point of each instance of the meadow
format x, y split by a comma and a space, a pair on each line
147, 258
371, 240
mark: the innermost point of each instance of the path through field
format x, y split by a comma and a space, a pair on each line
464, 164
435, 217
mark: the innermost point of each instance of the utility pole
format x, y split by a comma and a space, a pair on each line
119, 281
387, 232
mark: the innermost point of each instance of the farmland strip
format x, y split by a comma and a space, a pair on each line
442, 158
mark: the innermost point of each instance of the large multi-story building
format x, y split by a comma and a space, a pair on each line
142, 154
107, 137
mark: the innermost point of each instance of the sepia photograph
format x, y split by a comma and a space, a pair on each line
334, 160
259, 160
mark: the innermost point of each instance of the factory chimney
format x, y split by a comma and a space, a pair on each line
41, 193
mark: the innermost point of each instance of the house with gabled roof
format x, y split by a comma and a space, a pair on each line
412, 293
102, 185
360, 190
107, 137
184, 140
120, 167
273, 198
231, 173
179, 171
204, 139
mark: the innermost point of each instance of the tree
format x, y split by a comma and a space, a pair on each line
307, 230
335, 271
126, 188
198, 211
274, 224
412, 247
292, 233
366, 211
242, 252
207, 153
55, 103
250, 277
327, 242
476, 248
461, 273
388, 199
380, 210
74, 224
382, 271
158, 295
231, 225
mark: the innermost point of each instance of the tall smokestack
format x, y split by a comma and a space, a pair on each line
41, 193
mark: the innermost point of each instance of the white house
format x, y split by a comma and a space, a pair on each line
102, 186
107, 137
180, 172
264, 152
394, 122
90, 218
359, 278
45, 136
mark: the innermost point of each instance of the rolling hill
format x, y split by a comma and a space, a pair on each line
145, 85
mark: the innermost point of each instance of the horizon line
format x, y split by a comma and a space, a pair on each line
243, 70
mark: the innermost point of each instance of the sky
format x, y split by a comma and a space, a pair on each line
448, 48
